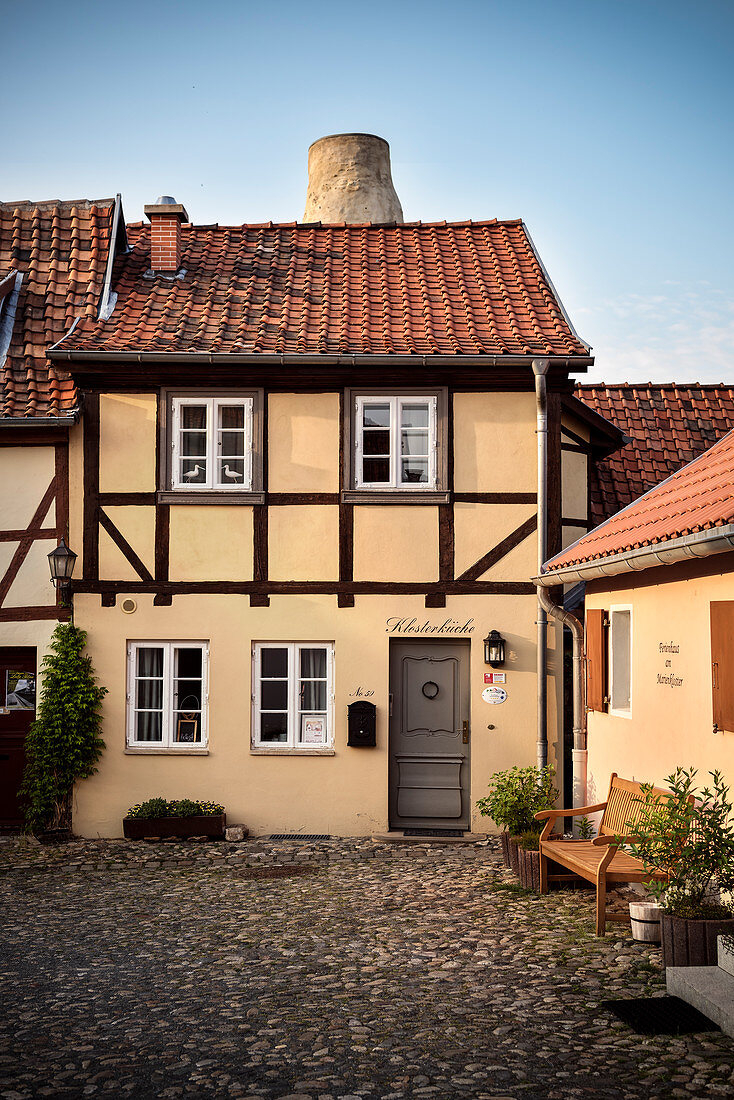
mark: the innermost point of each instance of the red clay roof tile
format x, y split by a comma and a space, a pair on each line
664, 430
61, 248
697, 498
466, 288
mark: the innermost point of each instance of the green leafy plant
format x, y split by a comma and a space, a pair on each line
64, 743
586, 828
689, 835
184, 807
515, 796
530, 841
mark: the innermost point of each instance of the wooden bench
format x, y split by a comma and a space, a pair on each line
601, 860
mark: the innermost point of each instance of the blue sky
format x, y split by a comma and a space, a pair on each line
605, 124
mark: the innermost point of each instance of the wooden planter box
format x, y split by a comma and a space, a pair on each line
505, 847
529, 867
140, 828
692, 942
514, 857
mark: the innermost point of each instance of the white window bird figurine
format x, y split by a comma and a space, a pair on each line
234, 474
195, 472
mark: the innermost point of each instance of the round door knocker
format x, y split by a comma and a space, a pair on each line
430, 689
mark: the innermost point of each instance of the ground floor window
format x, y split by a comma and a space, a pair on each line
292, 695
167, 694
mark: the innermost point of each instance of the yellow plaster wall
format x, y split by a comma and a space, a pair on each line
303, 542
33, 586
573, 484
137, 526
25, 475
210, 542
494, 443
479, 527
127, 443
343, 794
395, 543
303, 442
668, 725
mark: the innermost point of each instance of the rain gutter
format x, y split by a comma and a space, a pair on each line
353, 360
540, 369
697, 544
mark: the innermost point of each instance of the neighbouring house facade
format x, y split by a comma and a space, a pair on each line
659, 579
55, 262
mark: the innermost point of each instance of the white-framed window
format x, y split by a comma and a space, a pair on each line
293, 695
211, 443
167, 695
395, 442
620, 661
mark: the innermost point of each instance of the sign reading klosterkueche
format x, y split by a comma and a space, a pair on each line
667, 650
396, 625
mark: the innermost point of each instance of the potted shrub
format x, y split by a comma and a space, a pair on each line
64, 744
688, 838
528, 855
159, 817
515, 796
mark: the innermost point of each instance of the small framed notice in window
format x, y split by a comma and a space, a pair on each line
20, 690
313, 729
187, 730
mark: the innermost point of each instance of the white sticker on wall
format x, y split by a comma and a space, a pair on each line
494, 695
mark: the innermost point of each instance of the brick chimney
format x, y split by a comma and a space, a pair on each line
166, 216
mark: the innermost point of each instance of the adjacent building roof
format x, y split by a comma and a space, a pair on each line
667, 426
698, 498
53, 257
466, 288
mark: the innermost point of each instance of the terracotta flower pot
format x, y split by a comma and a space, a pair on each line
529, 865
514, 857
138, 828
692, 942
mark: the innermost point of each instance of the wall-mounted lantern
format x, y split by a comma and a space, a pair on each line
494, 649
61, 562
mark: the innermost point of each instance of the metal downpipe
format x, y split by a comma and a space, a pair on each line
540, 368
579, 711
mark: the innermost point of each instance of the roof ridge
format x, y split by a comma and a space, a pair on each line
49, 204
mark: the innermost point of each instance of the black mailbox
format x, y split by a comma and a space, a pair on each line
361, 724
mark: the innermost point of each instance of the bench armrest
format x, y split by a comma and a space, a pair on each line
578, 811
600, 841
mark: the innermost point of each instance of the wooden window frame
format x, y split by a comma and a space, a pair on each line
167, 745
168, 492
292, 746
618, 712
722, 650
438, 493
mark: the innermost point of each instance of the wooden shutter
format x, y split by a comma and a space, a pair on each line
722, 664
596, 659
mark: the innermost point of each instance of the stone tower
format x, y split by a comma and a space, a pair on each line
349, 180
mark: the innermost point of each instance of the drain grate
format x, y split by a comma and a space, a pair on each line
299, 836
660, 1016
433, 832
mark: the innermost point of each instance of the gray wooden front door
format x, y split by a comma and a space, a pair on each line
429, 735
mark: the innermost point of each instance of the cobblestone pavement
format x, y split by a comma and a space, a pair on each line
256, 970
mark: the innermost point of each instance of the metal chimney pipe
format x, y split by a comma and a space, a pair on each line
540, 368
349, 180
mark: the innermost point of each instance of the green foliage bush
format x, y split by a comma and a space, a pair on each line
184, 807
693, 842
515, 796
530, 841
64, 743
586, 828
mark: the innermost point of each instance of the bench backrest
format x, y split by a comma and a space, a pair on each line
624, 805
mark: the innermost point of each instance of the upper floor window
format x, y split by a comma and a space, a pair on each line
620, 659
212, 443
396, 442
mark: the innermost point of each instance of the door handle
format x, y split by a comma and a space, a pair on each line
465, 731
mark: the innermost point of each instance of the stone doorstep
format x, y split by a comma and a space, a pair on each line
399, 837
708, 988
725, 956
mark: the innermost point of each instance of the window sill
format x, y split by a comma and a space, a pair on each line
395, 496
620, 713
133, 750
291, 752
208, 496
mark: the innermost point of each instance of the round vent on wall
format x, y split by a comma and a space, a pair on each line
128, 606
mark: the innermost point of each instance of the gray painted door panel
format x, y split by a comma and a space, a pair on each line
429, 762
